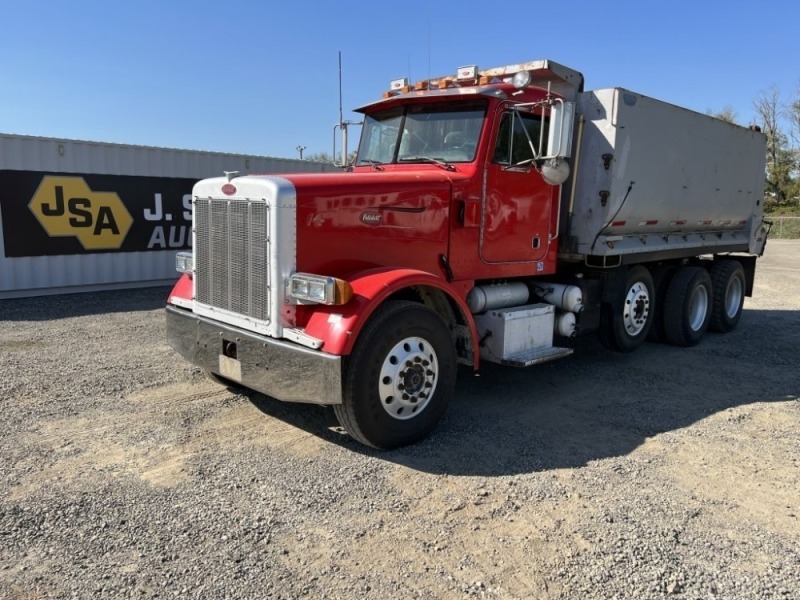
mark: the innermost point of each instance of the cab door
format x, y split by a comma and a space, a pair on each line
517, 203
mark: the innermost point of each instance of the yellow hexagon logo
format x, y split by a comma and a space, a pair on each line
67, 206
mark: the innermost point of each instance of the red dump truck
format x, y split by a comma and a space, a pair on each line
490, 215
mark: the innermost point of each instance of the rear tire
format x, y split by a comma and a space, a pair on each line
624, 324
687, 306
400, 377
662, 275
728, 283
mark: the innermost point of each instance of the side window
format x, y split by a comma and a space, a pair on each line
513, 145
502, 149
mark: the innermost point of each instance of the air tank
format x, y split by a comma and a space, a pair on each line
502, 295
565, 297
565, 324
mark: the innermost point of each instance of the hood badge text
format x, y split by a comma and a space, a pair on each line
371, 218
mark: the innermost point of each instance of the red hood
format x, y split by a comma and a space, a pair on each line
356, 220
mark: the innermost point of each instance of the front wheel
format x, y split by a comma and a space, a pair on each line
400, 377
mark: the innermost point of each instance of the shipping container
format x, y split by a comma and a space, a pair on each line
83, 216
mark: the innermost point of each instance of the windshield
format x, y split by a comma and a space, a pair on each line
422, 133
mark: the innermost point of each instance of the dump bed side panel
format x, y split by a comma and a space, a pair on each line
653, 176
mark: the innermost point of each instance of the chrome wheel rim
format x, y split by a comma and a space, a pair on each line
408, 378
733, 298
698, 307
637, 309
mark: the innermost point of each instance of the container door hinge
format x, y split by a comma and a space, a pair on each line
604, 194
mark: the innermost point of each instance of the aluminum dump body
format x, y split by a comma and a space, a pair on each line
652, 177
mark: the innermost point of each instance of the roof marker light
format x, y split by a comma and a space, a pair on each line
398, 84
470, 72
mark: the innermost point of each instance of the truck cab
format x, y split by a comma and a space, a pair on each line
492, 138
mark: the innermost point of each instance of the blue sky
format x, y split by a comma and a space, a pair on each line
261, 77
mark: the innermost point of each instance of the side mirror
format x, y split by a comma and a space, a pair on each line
559, 139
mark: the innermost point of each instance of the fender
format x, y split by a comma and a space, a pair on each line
339, 326
182, 292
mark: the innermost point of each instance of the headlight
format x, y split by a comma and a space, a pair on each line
184, 262
318, 289
522, 79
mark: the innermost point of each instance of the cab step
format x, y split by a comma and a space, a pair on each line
536, 356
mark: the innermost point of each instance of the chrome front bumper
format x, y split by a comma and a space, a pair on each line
276, 368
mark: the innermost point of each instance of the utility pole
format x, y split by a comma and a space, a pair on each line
300, 150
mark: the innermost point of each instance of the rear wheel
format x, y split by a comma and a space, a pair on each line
728, 283
687, 306
624, 324
662, 274
400, 377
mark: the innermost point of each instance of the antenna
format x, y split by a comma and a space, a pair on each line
340, 88
342, 124
429, 39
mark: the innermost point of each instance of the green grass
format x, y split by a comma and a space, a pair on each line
791, 210
784, 228
785, 220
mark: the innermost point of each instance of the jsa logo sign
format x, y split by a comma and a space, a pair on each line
66, 206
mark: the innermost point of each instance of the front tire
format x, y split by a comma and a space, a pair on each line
624, 324
400, 377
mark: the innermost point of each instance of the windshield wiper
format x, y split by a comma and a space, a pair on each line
374, 163
428, 159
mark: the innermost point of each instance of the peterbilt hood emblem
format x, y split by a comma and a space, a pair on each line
371, 218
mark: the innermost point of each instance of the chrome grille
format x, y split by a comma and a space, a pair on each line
232, 255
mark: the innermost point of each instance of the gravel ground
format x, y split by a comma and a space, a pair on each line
124, 472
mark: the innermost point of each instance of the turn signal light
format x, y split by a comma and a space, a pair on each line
184, 262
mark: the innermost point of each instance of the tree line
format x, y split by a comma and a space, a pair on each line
780, 122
